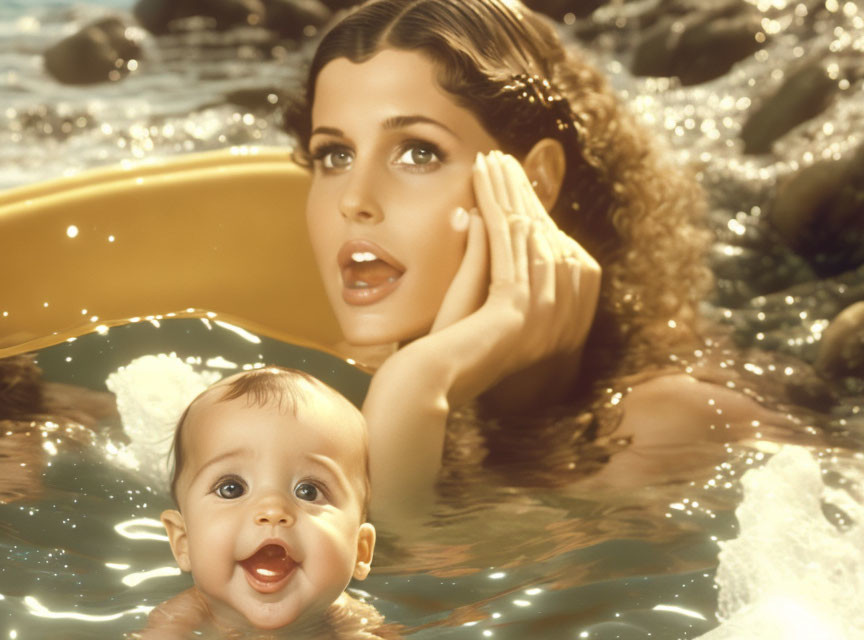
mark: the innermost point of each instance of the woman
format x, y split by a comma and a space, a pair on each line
481, 199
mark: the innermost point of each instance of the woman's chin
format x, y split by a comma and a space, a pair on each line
380, 334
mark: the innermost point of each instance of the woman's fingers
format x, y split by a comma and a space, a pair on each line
494, 218
500, 182
520, 229
471, 282
542, 268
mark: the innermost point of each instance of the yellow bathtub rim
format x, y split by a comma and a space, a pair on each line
219, 234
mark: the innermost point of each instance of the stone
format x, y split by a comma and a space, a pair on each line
557, 9
99, 52
157, 15
20, 387
340, 5
804, 94
263, 99
696, 43
841, 351
297, 18
819, 212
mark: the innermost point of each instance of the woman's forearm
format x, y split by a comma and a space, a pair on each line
406, 410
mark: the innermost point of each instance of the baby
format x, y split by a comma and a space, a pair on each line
271, 483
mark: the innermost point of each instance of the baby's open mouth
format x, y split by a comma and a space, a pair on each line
268, 566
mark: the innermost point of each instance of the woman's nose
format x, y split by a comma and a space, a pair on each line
274, 511
359, 202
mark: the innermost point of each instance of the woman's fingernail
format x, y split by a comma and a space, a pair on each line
459, 219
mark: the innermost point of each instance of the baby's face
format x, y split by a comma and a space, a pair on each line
271, 508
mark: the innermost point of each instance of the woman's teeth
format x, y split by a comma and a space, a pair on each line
366, 270
363, 256
362, 284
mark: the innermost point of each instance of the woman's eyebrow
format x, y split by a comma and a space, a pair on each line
331, 131
398, 122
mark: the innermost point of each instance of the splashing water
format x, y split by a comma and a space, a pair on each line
152, 391
794, 572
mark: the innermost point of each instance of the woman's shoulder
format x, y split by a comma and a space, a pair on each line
676, 426
676, 408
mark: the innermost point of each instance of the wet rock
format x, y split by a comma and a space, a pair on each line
296, 18
805, 94
819, 212
696, 41
812, 393
339, 5
20, 387
841, 352
157, 16
559, 8
99, 52
263, 99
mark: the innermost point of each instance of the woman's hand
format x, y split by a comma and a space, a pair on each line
540, 292
525, 294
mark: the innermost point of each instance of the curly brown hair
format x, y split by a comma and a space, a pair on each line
634, 212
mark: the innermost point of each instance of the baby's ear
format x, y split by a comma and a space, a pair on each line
175, 526
365, 549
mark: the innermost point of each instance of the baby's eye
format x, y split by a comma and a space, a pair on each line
307, 491
230, 489
419, 155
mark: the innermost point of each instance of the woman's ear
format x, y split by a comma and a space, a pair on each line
365, 549
545, 166
175, 526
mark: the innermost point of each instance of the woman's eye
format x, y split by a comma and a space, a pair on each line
332, 158
230, 489
307, 491
419, 155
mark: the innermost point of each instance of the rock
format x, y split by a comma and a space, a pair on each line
697, 42
339, 5
819, 212
99, 52
297, 18
559, 8
157, 15
841, 351
20, 387
804, 94
264, 99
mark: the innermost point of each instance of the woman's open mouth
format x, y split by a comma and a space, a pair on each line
269, 568
369, 274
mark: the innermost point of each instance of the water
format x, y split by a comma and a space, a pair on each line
512, 553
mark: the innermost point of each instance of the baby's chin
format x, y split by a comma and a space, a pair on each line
246, 617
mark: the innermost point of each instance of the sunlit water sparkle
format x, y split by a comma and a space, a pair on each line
503, 559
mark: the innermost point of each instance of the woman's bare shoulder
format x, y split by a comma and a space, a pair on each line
677, 426
677, 408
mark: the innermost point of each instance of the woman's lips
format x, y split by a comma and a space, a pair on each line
369, 273
269, 568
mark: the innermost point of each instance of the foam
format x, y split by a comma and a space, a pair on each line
152, 392
791, 573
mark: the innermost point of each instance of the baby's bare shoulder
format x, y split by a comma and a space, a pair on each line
353, 619
176, 618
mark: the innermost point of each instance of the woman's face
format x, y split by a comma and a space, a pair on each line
393, 156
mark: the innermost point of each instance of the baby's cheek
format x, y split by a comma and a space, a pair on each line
211, 550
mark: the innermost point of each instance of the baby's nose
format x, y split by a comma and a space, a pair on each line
275, 512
